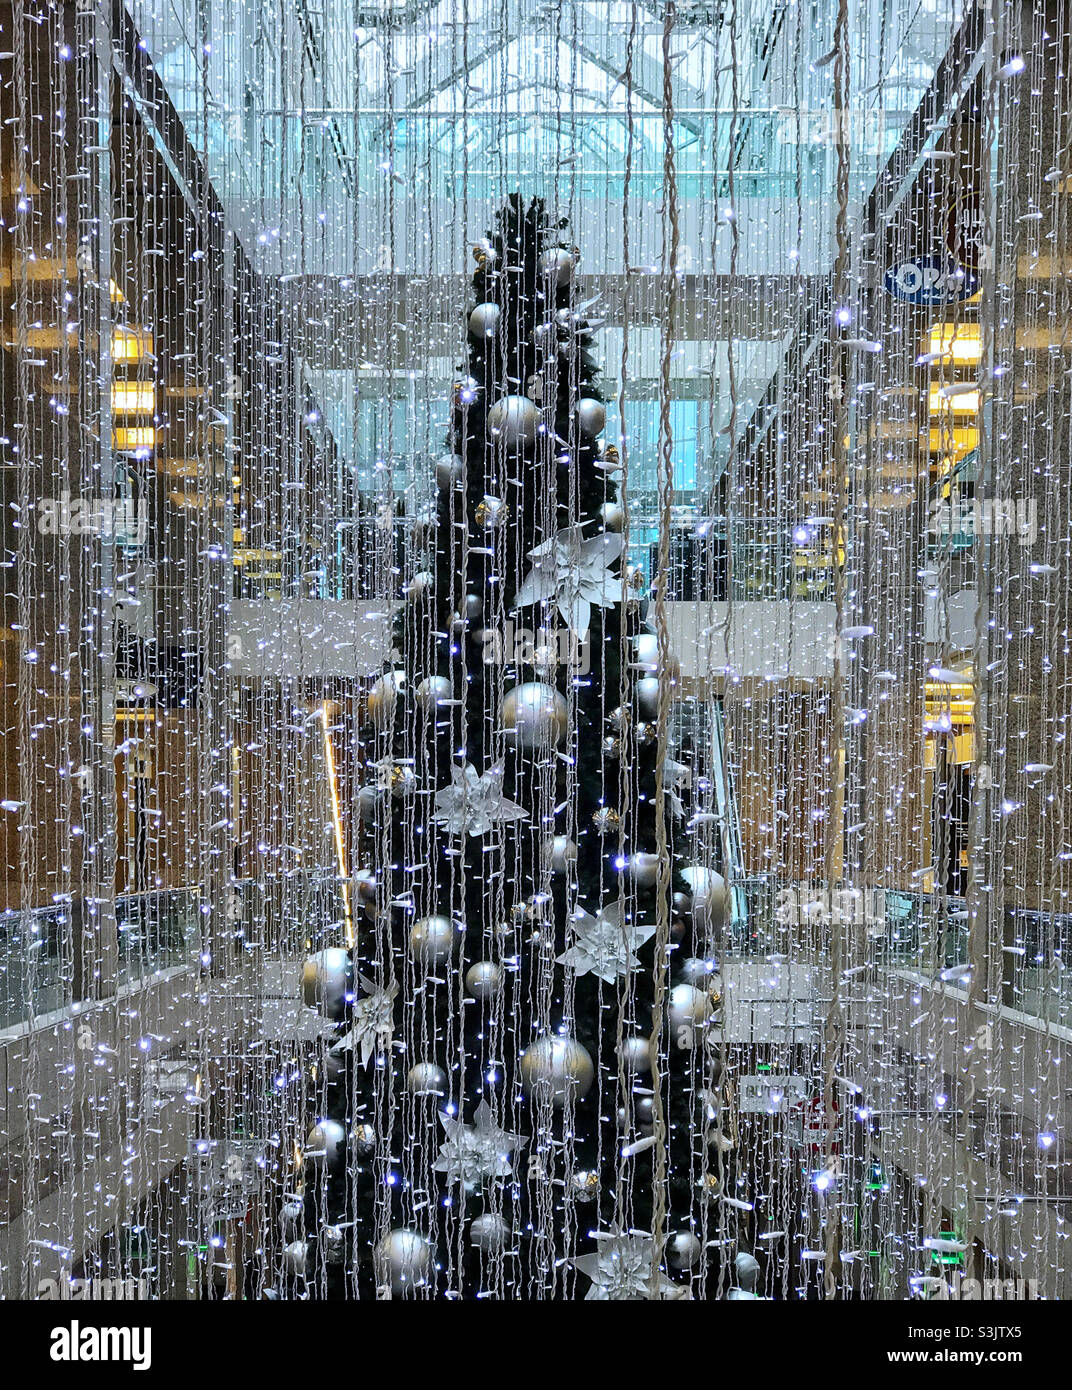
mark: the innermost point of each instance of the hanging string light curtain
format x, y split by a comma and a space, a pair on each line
534, 648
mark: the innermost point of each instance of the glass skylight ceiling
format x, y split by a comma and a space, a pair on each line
355, 152
310, 115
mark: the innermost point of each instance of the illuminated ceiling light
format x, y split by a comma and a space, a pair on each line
47, 339
942, 401
180, 468
130, 344
954, 444
133, 398
955, 342
129, 439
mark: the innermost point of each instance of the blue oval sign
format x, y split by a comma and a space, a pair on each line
930, 280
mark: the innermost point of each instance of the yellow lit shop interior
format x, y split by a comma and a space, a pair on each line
535, 664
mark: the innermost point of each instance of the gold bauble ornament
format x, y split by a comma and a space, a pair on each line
492, 512
620, 718
403, 780
585, 1185
606, 820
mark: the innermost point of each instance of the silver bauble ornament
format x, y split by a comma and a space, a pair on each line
695, 971
432, 692
545, 656
563, 854
612, 516
641, 1116
513, 420
556, 1068
424, 526
643, 869
710, 897
536, 714
290, 1218
363, 1140
432, 941
325, 1144
690, 1010
647, 655
634, 577
403, 1260
646, 651
484, 320
709, 1106
368, 802
635, 1053
426, 1079
558, 264
328, 982
683, 1250
489, 1233
365, 887
647, 693
474, 607
420, 586
383, 697
591, 416
483, 980
333, 1244
747, 1270
294, 1257
448, 471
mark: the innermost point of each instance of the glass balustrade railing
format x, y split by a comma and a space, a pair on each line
39, 948
925, 933
920, 932
280, 915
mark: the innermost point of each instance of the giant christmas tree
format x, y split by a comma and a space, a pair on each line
498, 1117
